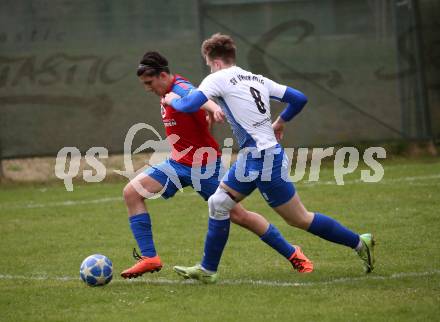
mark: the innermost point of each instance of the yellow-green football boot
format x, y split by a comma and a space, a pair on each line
366, 253
196, 273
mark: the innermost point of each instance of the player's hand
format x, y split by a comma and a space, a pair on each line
278, 128
215, 111
209, 119
168, 98
219, 116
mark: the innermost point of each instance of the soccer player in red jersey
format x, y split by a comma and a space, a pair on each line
189, 137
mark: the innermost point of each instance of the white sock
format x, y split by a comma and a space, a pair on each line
360, 245
206, 271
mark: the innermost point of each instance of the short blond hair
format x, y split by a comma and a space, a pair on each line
219, 46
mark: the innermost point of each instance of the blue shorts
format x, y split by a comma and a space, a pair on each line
266, 170
175, 176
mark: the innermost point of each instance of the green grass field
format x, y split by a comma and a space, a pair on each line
46, 232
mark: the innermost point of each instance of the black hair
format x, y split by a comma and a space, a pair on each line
152, 64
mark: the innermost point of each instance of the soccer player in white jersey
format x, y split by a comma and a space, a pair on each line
245, 100
184, 168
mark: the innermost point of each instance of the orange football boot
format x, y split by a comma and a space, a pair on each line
144, 265
300, 262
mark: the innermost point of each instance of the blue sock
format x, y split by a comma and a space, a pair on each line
274, 239
329, 229
141, 227
216, 238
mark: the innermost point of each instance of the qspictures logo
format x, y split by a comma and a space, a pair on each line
346, 161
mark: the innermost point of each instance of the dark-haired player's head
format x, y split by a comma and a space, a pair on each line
154, 73
219, 51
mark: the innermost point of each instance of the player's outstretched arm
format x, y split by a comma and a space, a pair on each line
296, 101
188, 104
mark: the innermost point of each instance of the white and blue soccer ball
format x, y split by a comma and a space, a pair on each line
96, 270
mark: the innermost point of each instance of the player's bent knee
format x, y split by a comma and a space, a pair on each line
237, 217
220, 204
126, 193
130, 194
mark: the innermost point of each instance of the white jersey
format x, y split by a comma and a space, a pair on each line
245, 100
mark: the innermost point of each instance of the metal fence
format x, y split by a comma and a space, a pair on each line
67, 68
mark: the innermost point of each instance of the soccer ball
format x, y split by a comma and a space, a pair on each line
96, 270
